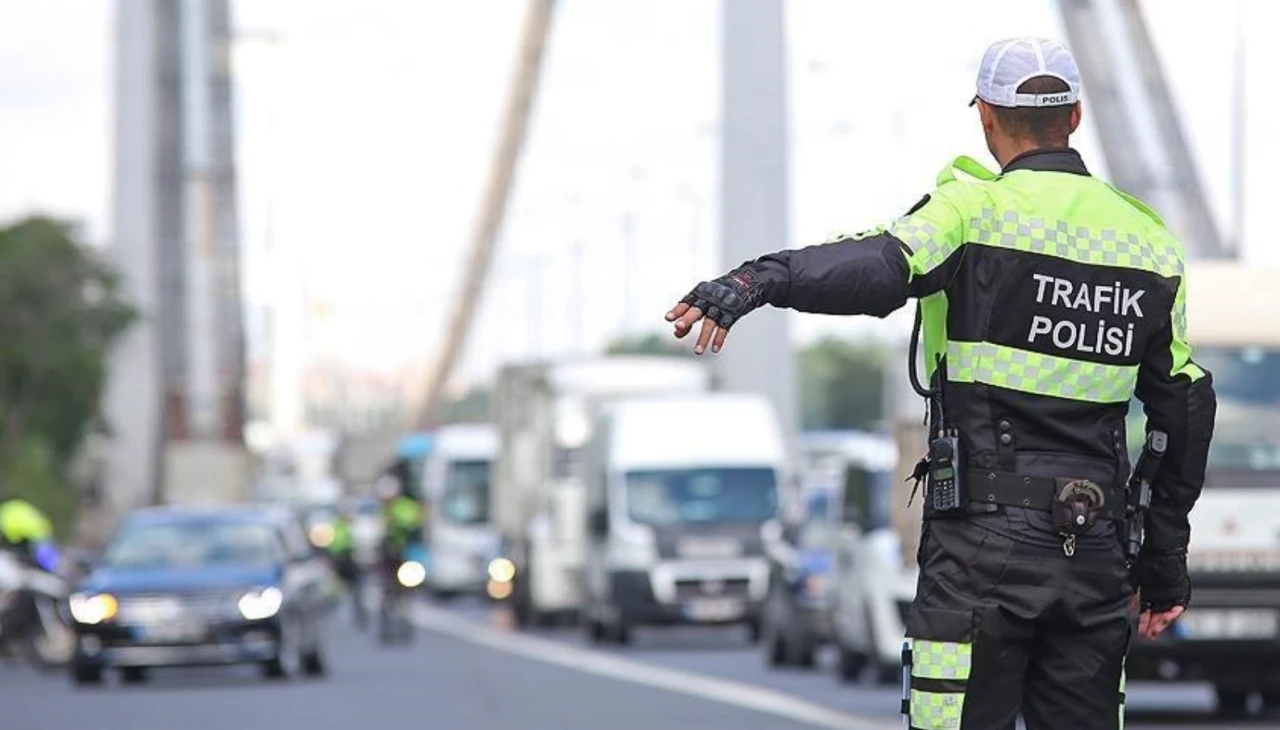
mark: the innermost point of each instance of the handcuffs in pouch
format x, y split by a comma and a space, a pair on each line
1075, 510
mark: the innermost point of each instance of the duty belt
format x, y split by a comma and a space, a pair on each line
1011, 490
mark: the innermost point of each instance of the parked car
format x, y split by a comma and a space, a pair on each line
873, 581
796, 619
203, 586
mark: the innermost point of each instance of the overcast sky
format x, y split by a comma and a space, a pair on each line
366, 130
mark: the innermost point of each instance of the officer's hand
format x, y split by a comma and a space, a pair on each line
1153, 623
719, 303
1164, 590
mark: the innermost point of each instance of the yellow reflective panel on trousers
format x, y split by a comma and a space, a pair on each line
936, 710
941, 660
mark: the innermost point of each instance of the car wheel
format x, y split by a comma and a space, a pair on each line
594, 631
1231, 700
803, 652
888, 674
288, 657
134, 675
622, 633
84, 675
775, 646
850, 664
313, 664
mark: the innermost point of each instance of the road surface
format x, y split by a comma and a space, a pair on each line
467, 671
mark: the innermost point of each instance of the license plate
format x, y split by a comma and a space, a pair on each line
714, 609
173, 632
1228, 624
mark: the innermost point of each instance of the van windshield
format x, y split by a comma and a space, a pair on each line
466, 494
709, 495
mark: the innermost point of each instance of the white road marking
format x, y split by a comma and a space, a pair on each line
741, 694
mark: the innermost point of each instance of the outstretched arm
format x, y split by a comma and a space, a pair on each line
870, 273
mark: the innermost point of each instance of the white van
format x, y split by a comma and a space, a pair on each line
675, 518
459, 532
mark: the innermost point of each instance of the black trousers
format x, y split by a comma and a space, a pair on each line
1002, 626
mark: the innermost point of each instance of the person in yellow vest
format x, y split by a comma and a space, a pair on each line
342, 554
26, 530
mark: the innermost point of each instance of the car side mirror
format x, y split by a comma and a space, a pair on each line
598, 523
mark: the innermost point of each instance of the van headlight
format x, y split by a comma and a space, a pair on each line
501, 570
411, 574
260, 604
91, 609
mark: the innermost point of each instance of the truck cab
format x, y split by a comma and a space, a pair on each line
545, 413
1230, 635
459, 532
675, 525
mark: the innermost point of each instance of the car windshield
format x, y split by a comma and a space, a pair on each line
724, 495
466, 496
1246, 435
195, 543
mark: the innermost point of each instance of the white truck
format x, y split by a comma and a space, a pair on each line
455, 488
1230, 636
543, 413
674, 521
874, 580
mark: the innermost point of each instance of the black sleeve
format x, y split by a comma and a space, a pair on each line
1178, 398
850, 276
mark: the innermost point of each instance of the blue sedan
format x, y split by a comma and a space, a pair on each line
192, 587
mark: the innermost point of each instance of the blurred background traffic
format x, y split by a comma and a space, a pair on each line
332, 348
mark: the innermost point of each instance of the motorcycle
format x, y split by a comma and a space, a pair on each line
32, 625
394, 623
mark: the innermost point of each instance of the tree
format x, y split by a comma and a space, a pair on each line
653, 343
61, 310
841, 385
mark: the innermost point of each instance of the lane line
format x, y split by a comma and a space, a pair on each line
740, 694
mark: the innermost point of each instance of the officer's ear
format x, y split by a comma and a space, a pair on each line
988, 117
1076, 114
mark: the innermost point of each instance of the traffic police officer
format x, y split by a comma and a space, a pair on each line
1048, 299
25, 529
342, 553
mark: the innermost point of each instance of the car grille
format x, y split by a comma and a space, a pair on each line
713, 588
160, 607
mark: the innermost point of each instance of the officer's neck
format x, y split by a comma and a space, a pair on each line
1010, 148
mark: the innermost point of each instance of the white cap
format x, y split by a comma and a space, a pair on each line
1009, 63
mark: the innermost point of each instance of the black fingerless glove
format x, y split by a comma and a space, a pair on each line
1162, 578
727, 299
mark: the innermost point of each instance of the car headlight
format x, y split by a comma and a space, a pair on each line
261, 604
93, 608
321, 535
502, 570
411, 574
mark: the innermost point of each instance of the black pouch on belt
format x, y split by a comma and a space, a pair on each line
1076, 507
